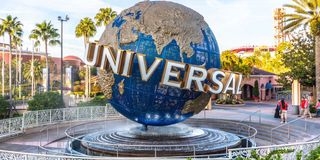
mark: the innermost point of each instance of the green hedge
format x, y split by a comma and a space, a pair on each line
4, 106
96, 101
46, 100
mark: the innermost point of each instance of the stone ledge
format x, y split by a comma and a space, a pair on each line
229, 105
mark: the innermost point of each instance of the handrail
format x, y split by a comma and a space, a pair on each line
252, 114
244, 152
287, 124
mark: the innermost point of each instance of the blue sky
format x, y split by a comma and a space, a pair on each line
235, 23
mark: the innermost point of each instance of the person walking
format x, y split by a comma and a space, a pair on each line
306, 108
317, 106
303, 105
284, 110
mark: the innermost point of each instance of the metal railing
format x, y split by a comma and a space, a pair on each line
31, 119
55, 117
288, 128
297, 148
251, 115
73, 134
12, 155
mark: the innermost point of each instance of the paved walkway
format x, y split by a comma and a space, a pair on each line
29, 142
256, 109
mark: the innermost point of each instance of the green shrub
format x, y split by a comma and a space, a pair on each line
273, 155
96, 101
229, 100
46, 100
314, 154
255, 91
312, 109
4, 105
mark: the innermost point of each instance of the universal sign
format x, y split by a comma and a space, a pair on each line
121, 63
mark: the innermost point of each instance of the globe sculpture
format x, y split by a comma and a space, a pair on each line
170, 31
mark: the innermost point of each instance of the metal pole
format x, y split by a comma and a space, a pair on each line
194, 152
61, 66
117, 151
305, 125
271, 137
288, 133
260, 116
61, 45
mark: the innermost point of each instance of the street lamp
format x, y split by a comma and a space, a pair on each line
61, 44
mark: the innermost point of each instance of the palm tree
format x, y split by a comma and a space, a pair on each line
16, 45
306, 14
105, 16
37, 70
13, 28
32, 37
47, 34
86, 29
2, 65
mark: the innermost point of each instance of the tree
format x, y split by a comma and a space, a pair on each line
37, 70
16, 45
229, 60
46, 33
255, 91
13, 28
299, 57
270, 63
86, 29
2, 65
105, 16
236, 64
307, 14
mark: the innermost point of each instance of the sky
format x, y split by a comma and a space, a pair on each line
235, 23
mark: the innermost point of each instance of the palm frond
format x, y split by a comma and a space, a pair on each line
54, 42
300, 3
293, 25
297, 9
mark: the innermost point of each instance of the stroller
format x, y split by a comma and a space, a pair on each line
277, 112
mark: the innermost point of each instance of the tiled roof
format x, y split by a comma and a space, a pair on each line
256, 71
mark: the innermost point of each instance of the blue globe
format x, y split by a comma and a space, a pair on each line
150, 103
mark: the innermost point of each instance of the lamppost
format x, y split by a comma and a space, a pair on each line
61, 44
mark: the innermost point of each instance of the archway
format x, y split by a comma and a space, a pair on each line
247, 91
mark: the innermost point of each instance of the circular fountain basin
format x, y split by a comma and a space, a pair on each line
176, 140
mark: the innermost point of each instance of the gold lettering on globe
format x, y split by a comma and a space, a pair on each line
120, 62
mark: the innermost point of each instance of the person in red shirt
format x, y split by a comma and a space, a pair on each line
284, 109
303, 105
306, 110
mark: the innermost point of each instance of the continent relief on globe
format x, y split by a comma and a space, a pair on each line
164, 21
